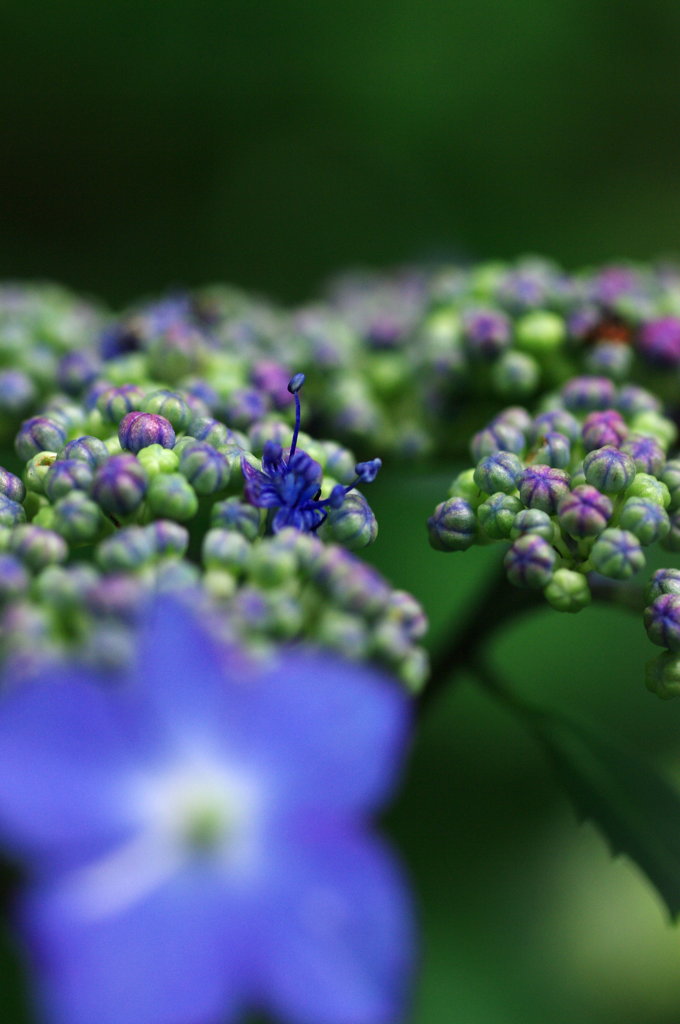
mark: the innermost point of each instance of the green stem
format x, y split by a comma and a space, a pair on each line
499, 603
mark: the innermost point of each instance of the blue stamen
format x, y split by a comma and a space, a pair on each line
294, 385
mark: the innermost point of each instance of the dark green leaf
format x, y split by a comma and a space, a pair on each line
635, 807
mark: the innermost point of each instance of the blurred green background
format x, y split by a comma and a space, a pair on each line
148, 145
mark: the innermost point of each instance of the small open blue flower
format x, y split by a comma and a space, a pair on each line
196, 836
290, 481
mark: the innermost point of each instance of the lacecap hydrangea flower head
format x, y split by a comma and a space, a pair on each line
195, 834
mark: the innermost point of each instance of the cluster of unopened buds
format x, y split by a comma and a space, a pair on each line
578, 491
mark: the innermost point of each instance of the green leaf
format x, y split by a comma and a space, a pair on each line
636, 808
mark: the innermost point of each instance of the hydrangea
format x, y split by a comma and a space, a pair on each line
196, 836
290, 483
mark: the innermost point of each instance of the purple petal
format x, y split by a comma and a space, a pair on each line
324, 731
336, 940
170, 958
66, 744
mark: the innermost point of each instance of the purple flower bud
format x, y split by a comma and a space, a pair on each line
646, 453
37, 547
17, 392
120, 484
498, 472
38, 434
14, 579
11, 512
532, 520
582, 321
608, 469
584, 512
530, 561
66, 475
617, 554
497, 437
138, 430
542, 487
351, 584
514, 416
663, 581
609, 358
206, 469
120, 595
168, 538
486, 332
603, 428
554, 449
91, 450
295, 383
646, 519
77, 518
555, 421
244, 406
453, 525
586, 394
234, 514
659, 341
115, 402
367, 471
633, 400
11, 486
272, 379
77, 370
127, 549
662, 621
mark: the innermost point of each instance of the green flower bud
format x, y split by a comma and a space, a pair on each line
464, 487
157, 459
568, 591
649, 488
655, 425
497, 514
77, 518
128, 549
353, 524
452, 526
220, 584
540, 332
37, 547
171, 405
225, 549
270, 566
670, 476
36, 470
343, 632
515, 375
617, 554
414, 669
662, 675
646, 519
171, 495
234, 514
532, 520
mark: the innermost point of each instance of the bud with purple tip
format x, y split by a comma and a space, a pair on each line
584, 512
543, 487
138, 430
38, 434
662, 621
530, 562
609, 470
617, 554
452, 526
119, 485
498, 472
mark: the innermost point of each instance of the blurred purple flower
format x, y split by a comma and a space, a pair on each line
196, 835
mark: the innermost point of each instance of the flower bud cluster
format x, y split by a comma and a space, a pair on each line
136, 485
581, 488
